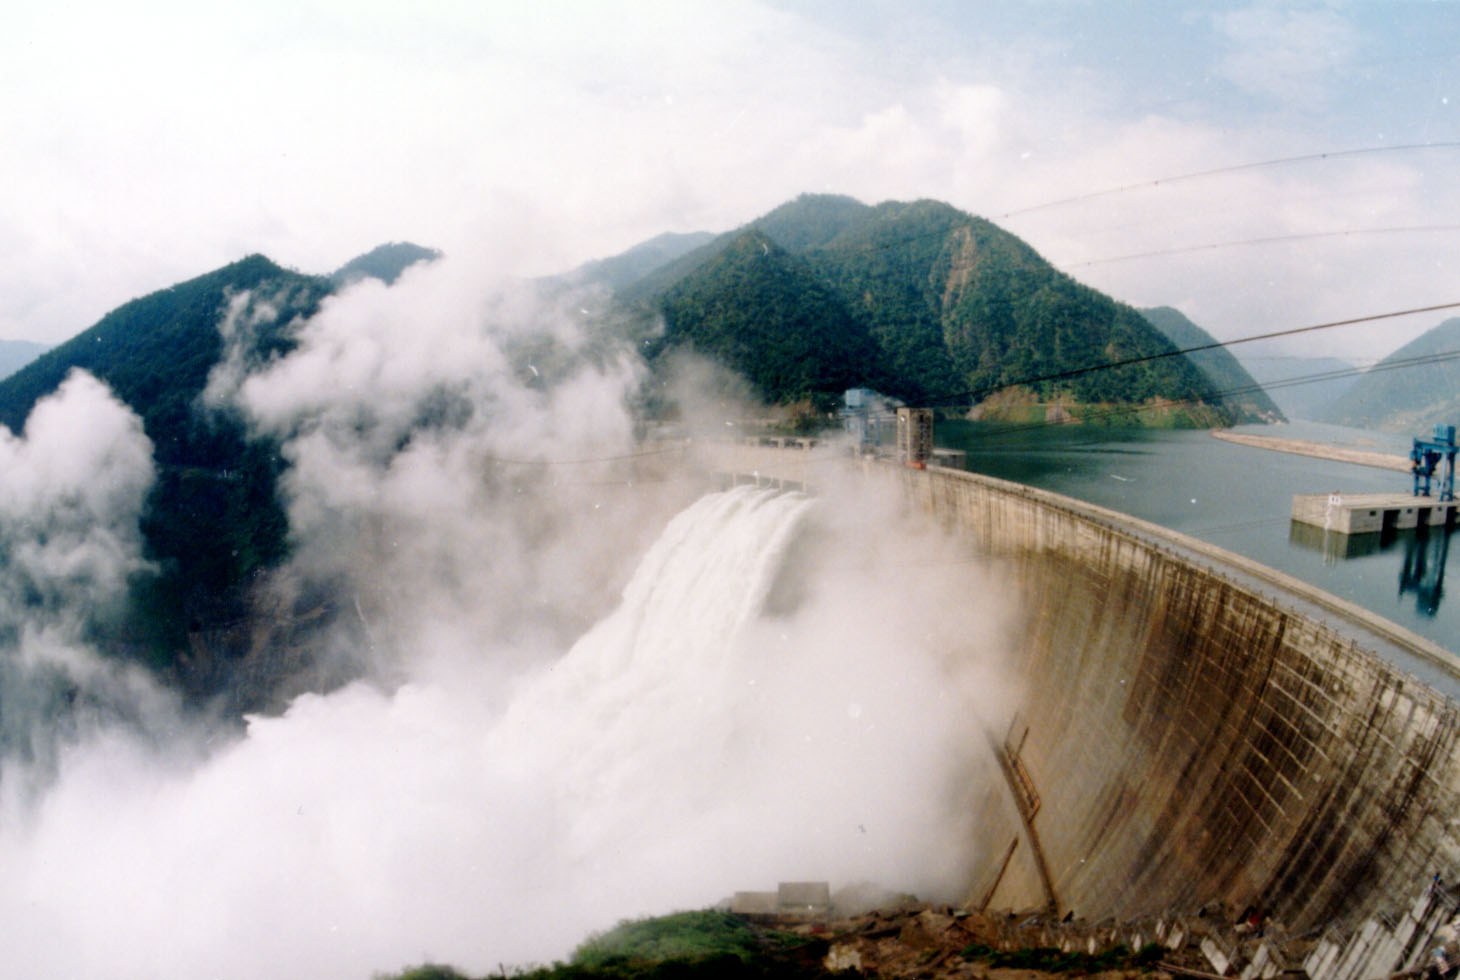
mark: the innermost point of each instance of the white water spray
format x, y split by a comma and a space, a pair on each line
686, 747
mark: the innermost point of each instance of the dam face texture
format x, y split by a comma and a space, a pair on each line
1197, 729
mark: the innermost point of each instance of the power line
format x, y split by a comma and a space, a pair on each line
1269, 240
1235, 168
1439, 357
1179, 178
958, 397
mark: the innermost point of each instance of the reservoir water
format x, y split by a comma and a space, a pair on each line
1238, 498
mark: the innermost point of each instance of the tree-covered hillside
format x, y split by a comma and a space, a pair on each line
956, 309
213, 518
763, 310
1241, 393
809, 220
1411, 390
888, 268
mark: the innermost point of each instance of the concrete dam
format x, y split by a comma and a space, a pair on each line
1195, 729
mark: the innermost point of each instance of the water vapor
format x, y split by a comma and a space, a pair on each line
441, 440
71, 488
570, 708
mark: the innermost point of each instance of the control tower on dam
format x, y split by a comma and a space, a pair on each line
1196, 728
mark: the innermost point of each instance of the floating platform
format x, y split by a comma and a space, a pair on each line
1368, 513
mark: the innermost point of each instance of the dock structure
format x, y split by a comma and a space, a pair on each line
1368, 513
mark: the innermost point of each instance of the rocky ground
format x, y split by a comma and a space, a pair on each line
924, 942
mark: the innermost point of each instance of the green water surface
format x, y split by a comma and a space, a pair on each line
1238, 498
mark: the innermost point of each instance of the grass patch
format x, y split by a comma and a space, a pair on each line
682, 936
429, 971
713, 945
705, 945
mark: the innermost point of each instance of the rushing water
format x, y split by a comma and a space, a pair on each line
1239, 498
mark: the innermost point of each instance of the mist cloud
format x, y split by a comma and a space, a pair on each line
569, 711
74, 483
72, 486
443, 441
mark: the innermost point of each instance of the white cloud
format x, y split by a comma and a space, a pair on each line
73, 486
161, 141
1290, 55
71, 491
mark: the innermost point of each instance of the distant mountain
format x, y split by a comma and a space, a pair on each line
809, 221
213, 521
641, 260
1240, 392
1303, 387
956, 309
1411, 390
384, 262
16, 354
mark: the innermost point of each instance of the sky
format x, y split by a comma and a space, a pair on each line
147, 143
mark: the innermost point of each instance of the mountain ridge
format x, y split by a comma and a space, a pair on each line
1413, 389
383, 262
1242, 393
1303, 387
213, 520
957, 307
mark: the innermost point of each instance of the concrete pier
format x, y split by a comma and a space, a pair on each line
1368, 513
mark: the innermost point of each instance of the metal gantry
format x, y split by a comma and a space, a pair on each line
1426, 455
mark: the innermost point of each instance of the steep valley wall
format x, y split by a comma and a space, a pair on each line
1196, 729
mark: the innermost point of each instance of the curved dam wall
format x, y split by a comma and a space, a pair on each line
1195, 728
1188, 737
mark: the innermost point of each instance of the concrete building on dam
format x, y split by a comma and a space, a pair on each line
1197, 729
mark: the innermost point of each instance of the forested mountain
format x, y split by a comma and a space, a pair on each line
758, 307
1240, 392
213, 517
918, 300
809, 221
1303, 387
1411, 390
956, 309
16, 354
